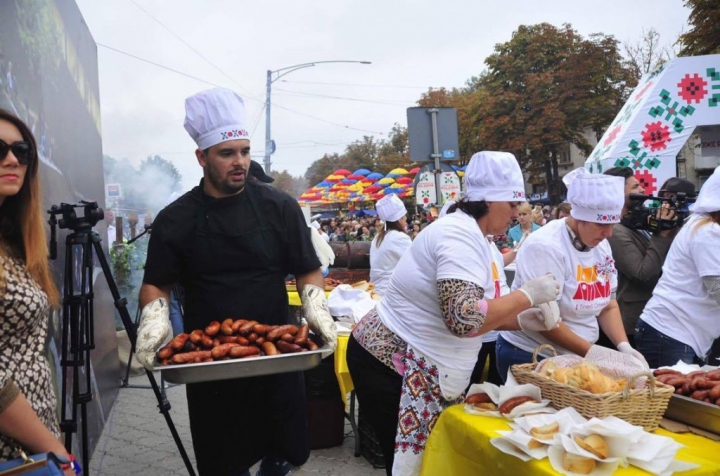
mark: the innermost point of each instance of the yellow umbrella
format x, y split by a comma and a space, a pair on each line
386, 180
399, 171
397, 185
460, 173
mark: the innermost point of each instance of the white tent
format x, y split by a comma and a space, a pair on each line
659, 117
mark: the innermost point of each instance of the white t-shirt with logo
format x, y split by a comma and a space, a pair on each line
680, 306
451, 248
500, 286
384, 259
587, 281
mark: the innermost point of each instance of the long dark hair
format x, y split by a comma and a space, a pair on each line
21, 218
390, 226
474, 209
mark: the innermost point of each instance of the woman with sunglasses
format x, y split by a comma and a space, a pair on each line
28, 418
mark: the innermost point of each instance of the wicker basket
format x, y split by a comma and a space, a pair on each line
642, 407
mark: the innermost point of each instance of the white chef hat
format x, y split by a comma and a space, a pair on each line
315, 225
494, 177
595, 198
390, 208
214, 116
708, 199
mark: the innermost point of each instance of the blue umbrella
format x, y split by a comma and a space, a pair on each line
383, 185
455, 167
324, 184
388, 191
463, 168
375, 175
348, 181
353, 195
361, 172
393, 175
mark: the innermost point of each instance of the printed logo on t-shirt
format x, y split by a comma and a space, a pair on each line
593, 289
496, 279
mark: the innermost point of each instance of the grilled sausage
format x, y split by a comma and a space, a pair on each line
212, 329
288, 348
478, 398
240, 351
246, 328
303, 335
165, 353
660, 372
260, 329
714, 392
700, 394
237, 324
275, 334
189, 357
288, 338
196, 337
226, 327
221, 350
312, 345
269, 348
225, 339
510, 404
259, 341
178, 342
206, 341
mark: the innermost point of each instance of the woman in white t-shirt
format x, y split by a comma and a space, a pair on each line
390, 243
682, 318
415, 352
575, 250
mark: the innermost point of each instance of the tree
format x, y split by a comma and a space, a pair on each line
159, 165
704, 35
293, 186
646, 54
543, 88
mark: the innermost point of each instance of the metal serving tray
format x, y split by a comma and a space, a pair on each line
240, 368
705, 416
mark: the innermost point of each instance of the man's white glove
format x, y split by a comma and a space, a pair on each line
545, 317
540, 290
626, 348
153, 330
317, 313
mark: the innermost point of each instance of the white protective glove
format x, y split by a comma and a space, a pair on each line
153, 330
626, 348
317, 313
540, 290
544, 317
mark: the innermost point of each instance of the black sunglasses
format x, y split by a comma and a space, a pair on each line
21, 150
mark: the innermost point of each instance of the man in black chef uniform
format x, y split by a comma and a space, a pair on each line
230, 242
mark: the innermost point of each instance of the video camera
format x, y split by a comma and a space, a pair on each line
70, 219
646, 218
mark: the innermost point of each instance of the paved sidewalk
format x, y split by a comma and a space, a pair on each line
136, 440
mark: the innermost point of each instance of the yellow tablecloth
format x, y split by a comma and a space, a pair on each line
341, 369
460, 445
294, 298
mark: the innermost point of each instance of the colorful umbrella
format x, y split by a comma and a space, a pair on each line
348, 181
393, 176
361, 172
334, 178
372, 189
415, 170
387, 180
355, 177
399, 171
382, 184
397, 185
375, 175
390, 190
404, 180
343, 172
460, 173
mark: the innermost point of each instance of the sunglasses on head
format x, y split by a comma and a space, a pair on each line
21, 150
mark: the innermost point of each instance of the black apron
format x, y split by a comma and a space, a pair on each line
237, 271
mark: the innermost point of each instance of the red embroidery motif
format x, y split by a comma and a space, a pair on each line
656, 136
692, 88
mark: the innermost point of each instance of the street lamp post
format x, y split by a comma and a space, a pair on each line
269, 144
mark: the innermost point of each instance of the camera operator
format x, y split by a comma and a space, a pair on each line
639, 255
681, 321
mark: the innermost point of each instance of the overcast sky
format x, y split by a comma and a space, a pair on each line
413, 45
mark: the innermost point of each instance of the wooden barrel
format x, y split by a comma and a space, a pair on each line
359, 257
342, 254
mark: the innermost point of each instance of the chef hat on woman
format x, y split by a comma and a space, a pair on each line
595, 198
708, 199
494, 177
214, 116
390, 208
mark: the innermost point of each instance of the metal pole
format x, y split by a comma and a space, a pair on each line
436, 154
268, 139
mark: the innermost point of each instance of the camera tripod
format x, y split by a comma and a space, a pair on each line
78, 323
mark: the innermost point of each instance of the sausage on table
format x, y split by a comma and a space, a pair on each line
212, 329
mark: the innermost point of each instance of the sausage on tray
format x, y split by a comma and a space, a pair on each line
269, 348
275, 334
189, 357
178, 342
212, 329
303, 335
226, 327
165, 353
243, 351
288, 348
236, 325
221, 350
